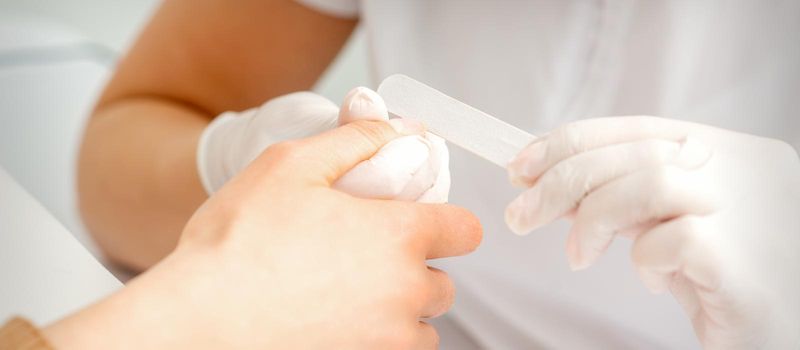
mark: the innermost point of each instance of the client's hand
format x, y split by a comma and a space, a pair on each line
277, 259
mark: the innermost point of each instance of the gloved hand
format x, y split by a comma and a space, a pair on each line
414, 168
714, 215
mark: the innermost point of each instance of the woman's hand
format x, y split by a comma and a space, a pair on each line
714, 214
277, 259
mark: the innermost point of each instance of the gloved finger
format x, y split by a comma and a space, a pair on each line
585, 135
402, 170
678, 246
393, 172
680, 255
561, 188
310, 114
326, 157
441, 291
427, 337
362, 104
424, 177
233, 140
440, 156
646, 196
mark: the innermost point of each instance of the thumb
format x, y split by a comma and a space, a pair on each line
362, 104
331, 154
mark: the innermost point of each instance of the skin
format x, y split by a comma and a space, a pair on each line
137, 177
332, 271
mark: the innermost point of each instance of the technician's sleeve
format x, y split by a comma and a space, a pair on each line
336, 8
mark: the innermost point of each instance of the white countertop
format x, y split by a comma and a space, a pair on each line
45, 273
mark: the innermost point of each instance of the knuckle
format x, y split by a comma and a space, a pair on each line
566, 179
282, 150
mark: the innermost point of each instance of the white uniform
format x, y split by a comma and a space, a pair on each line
538, 64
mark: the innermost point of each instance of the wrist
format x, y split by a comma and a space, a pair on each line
150, 312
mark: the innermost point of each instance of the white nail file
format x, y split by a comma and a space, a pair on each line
463, 125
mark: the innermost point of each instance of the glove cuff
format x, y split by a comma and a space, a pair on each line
212, 168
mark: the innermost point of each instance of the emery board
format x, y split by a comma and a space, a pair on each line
461, 124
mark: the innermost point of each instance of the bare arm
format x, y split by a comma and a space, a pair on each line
137, 181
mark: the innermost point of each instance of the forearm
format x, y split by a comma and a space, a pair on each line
137, 180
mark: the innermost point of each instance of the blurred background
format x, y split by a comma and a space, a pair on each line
55, 57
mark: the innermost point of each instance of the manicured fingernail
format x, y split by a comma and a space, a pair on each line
362, 104
524, 168
407, 126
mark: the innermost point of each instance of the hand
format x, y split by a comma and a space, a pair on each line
410, 168
277, 259
713, 215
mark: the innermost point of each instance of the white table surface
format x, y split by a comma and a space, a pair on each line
45, 273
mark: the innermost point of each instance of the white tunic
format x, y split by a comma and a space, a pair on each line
537, 64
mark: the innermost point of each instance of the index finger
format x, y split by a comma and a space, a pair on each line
585, 135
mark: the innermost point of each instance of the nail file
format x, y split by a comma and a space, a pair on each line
461, 124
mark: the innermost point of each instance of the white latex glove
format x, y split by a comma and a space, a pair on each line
411, 168
714, 215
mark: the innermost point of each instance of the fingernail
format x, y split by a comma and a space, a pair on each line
588, 249
573, 254
520, 214
513, 221
362, 104
407, 126
524, 168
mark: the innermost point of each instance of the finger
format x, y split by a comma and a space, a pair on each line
427, 337
362, 104
585, 135
680, 256
403, 169
327, 156
442, 293
677, 246
432, 231
439, 192
392, 172
646, 196
561, 188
